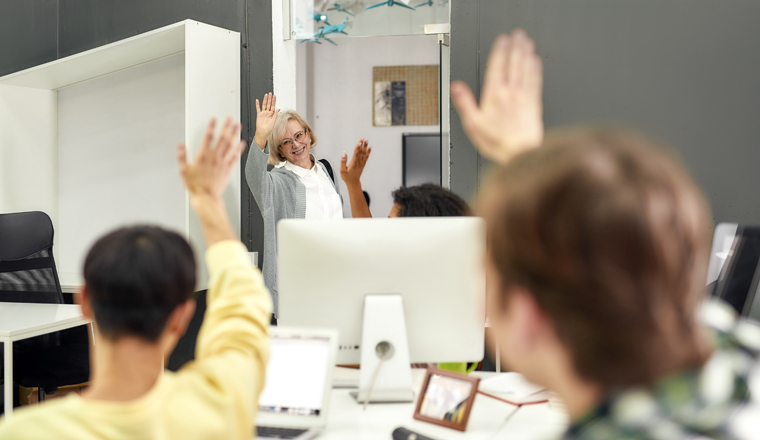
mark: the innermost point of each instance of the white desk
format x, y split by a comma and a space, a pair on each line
21, 321
489, 419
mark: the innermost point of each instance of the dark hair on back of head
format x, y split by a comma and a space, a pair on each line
136, 277
428, 200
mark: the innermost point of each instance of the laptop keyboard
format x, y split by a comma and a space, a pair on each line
270, 432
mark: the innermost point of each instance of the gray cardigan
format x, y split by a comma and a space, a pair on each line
279, 194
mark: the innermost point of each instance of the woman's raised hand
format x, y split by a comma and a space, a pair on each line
509, 119
351, 173
266, 114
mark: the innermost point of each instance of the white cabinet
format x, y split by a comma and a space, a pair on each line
91, 139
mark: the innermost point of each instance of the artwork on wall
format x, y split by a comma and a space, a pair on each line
398, 103
405, 95
382, 104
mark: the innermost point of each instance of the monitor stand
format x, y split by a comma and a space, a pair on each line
386, 373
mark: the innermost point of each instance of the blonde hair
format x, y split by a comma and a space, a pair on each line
278, 133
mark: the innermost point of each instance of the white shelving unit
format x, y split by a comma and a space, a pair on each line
91, 139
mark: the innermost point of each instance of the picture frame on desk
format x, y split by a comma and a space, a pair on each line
446, 398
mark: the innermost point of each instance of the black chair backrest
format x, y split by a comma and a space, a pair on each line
27, 268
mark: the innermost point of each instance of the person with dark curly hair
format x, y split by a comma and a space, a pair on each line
427, 200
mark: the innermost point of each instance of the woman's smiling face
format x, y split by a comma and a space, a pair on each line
296, 145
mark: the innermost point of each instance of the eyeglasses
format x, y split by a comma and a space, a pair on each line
298, 137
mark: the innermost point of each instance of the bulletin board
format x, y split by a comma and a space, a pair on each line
405, 95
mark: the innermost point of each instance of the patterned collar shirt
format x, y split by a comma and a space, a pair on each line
719, 401
322, 201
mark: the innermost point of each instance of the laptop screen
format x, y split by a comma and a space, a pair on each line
296, 374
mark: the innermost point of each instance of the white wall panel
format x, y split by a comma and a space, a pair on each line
28, 159
211, 92
91, 139
283, 61
117, 137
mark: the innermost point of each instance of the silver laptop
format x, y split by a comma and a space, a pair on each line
296, 396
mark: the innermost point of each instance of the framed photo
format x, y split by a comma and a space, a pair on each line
446, 399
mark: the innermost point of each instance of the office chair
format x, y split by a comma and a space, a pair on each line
28, 274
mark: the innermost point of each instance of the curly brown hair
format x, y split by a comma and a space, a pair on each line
429, 200
610, 235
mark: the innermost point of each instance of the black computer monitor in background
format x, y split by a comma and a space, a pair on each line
421, 154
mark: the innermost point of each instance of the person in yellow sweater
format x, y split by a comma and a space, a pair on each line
138, 289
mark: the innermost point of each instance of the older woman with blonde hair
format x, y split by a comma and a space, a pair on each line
299, 186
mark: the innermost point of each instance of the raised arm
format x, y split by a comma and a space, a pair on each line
351, 175
208, 174
266, 114
233, 346
509, 119
256, 166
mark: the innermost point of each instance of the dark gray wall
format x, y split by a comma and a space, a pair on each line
464, 46
685, 72
37, 31
28, 33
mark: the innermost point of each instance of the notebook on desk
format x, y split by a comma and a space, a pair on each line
296, 396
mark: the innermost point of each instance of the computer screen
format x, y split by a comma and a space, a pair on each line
421, 158
328, 267
296, 375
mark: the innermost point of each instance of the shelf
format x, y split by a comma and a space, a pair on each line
91, 139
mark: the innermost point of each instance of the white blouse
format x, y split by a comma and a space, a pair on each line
322, 201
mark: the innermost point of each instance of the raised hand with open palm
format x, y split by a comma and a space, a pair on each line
266, 115
351, 173
509, 118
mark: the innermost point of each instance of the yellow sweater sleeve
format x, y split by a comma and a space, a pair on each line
238, 306
232, 349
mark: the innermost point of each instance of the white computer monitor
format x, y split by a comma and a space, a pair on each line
328, 267
723, 240
733, 273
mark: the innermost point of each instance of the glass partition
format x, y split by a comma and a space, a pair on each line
327, 21
390, 85
445, 107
